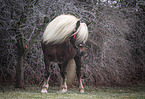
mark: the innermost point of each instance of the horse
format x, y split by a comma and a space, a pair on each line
63, 42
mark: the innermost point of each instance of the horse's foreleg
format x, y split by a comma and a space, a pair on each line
63, 87
46, 77
78, 71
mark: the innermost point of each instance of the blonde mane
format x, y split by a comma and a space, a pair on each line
60, 28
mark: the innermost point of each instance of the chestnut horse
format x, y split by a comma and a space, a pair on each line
63, 42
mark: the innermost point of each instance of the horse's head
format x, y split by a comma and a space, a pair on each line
81, 49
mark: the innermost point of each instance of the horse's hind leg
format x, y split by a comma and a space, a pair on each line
78, 71
63, 87
46, 76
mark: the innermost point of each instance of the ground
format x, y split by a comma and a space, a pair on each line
33, 91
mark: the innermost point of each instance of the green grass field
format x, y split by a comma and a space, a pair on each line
132, 92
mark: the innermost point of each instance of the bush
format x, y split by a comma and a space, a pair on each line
115, 52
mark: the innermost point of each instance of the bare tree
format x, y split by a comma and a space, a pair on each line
17, 18
115, 52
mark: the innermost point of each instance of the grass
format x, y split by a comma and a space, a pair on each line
33, 91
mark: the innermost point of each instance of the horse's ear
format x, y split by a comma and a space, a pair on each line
88, 23
78, 24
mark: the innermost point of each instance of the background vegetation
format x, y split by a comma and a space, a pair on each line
116, 45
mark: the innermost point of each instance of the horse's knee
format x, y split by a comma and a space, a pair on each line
78, 72
63, 74
47, 74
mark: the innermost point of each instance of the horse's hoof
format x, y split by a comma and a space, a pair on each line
64, 90
82, 91
44, 90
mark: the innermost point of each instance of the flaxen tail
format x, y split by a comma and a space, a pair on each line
71, 72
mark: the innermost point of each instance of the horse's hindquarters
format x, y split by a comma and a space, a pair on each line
59, 52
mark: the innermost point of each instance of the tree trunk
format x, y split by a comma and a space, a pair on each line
20, 72
20, 63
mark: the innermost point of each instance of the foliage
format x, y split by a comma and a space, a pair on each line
115, 53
